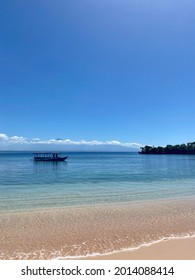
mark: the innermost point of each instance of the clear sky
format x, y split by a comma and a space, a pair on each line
104, 70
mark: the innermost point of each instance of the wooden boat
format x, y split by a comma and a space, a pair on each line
48, 157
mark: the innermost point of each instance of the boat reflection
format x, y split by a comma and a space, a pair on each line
47, 167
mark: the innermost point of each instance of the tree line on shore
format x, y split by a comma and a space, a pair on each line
188, 148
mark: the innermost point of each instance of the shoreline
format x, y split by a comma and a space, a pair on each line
174, 248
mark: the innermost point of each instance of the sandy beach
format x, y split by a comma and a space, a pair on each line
83, 231
175, 249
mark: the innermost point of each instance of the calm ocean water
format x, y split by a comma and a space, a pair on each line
93, 178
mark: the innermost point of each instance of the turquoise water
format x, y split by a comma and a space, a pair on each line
93, 178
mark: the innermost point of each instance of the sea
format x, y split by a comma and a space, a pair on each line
93, 178
93, 203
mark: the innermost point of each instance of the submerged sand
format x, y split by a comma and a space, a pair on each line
83, 231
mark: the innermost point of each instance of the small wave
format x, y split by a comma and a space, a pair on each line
59, 254
171, 237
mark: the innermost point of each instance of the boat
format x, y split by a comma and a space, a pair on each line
48, 157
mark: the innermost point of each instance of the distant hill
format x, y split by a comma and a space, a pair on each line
188, 148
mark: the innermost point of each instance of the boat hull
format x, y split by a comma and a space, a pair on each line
50, 159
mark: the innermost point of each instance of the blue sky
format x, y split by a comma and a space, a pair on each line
100, 71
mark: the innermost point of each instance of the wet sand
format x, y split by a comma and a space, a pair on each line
82, 231
175, 249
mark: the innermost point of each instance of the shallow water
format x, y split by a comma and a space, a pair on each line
93, 230
93, 179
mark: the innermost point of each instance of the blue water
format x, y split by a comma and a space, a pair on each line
93, 178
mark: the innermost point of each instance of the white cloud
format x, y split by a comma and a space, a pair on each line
3, 137
13, 139
36, 139
21, 141
18, 139
89, 143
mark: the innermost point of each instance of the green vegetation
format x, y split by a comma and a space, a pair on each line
188, 148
